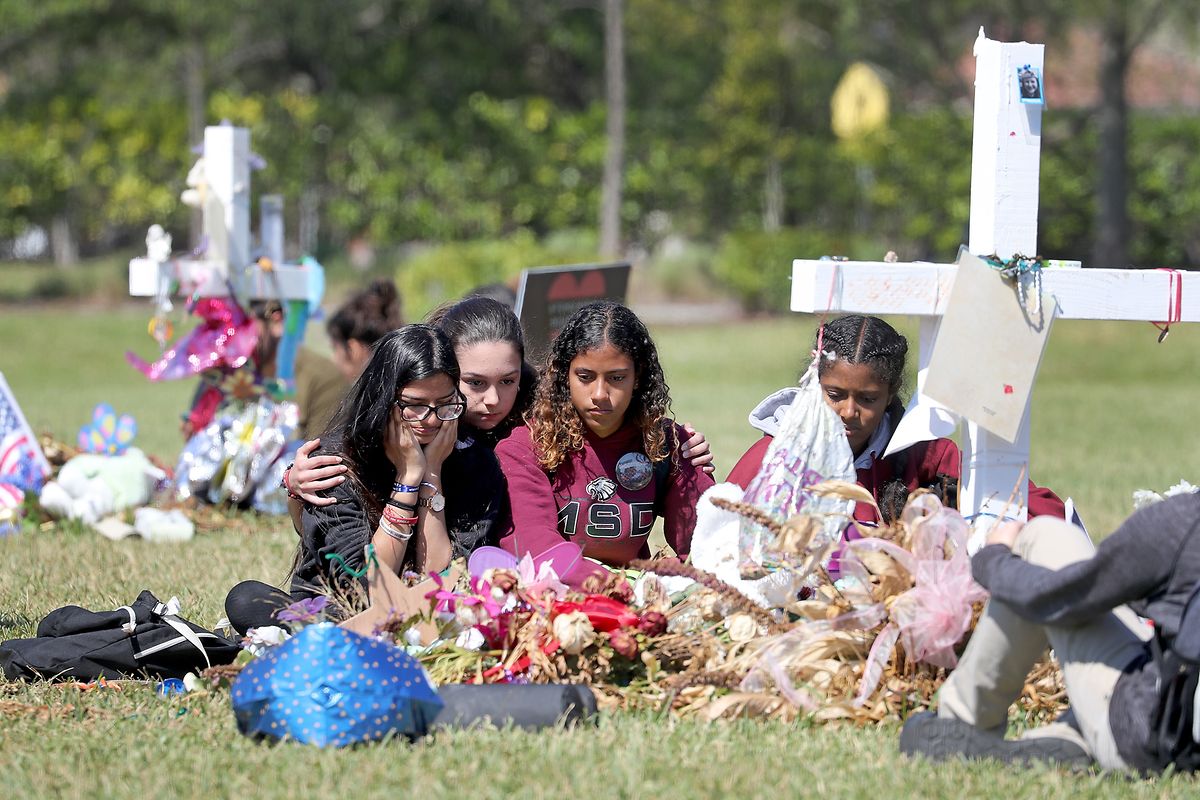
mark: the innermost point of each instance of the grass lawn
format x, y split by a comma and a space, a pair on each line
1113, 412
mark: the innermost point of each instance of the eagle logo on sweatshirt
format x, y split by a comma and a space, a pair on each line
600, 489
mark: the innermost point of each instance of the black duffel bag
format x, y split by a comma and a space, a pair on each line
145, 639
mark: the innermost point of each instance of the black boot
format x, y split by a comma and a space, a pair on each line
925, 734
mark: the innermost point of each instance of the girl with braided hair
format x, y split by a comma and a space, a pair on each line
861, 370
598, 459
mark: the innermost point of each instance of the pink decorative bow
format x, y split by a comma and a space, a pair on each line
932, 616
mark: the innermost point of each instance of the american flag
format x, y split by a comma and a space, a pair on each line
22, 466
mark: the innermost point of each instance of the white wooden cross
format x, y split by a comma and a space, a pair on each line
222, 184
1004, 205
225, 203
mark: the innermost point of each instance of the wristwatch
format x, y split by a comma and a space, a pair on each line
435, 502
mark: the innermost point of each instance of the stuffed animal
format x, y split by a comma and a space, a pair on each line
90, 487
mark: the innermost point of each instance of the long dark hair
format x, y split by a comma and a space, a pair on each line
357, 430
858, 339
479, 320
555, 425
368, 315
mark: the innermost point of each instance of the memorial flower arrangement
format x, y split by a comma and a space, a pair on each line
867, 641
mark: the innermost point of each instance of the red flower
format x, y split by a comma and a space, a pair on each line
653, 623
623, 642
620, 590
604, 613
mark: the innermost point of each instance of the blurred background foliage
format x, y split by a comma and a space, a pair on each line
452, 142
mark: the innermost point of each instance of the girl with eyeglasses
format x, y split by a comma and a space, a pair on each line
413, 489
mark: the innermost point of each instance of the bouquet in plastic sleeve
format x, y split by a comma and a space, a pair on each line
810, 448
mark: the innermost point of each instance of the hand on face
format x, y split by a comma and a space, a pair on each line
423, 398
402, 448
442, 446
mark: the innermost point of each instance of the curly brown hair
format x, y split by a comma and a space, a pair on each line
554, 424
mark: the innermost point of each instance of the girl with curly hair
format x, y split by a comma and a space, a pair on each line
597, 461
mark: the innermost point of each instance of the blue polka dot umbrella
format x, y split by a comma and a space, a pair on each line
332, 687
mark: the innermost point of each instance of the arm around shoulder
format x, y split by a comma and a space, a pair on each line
685, 484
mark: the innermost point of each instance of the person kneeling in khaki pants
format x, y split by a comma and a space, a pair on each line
1051, 587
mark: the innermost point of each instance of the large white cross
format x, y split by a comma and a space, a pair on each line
225, 266
1004, 204
225, 204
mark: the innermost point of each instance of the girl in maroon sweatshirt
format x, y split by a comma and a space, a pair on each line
862, 383
597, 462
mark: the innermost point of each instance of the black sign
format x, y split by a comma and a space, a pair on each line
548, 296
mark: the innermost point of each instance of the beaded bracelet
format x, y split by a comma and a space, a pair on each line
284, 482
395, 533
402, 488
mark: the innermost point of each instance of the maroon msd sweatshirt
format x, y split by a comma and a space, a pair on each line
604, 498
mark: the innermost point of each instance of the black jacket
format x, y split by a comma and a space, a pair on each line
474, 490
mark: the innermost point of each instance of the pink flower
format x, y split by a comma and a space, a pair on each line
622, 642
483, 597
446, 599
653, 623
540, 579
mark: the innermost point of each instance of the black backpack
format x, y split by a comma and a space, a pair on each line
1176, 722
144, 639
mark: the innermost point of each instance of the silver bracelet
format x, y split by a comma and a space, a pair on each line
395, 533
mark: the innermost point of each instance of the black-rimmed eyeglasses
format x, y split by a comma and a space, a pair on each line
416, 412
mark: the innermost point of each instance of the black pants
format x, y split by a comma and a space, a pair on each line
253, 604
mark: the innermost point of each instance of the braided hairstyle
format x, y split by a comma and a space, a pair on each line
858, 339
556, 427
